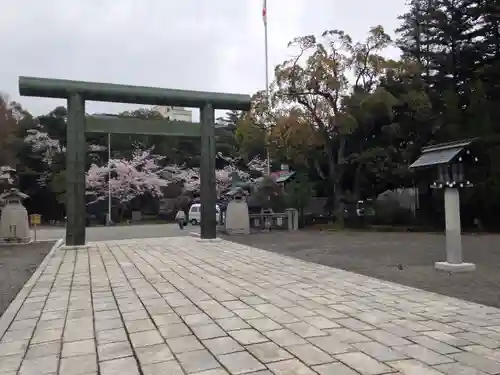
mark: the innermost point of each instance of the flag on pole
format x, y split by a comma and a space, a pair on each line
264, 12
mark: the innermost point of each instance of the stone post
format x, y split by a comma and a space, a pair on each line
208, 193
75, 171
454, 260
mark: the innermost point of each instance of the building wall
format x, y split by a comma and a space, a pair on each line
175, 113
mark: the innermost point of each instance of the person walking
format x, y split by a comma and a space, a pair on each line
180, 217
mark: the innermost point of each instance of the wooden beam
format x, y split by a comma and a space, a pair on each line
108, 92
122, 125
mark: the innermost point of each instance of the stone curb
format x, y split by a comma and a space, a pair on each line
11, 312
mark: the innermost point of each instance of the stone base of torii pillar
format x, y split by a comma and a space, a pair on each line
454, 260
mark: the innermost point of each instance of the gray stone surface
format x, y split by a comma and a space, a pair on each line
178, 305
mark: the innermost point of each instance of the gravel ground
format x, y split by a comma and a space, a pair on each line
17, 264
404, 258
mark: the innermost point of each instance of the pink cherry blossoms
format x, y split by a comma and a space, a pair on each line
41, 142
129, 178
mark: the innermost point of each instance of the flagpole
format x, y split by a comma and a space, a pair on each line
266, 60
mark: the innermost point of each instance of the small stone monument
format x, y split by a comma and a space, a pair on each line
15, 225
237, 218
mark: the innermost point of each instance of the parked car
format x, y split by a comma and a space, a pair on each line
194, 214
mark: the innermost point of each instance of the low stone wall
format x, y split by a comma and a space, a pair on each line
264, 222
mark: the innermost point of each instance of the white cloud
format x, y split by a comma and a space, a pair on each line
210, 45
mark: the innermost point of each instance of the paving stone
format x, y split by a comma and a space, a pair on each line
77, 334
386, 338
75, 348
13, 347
235, 305
163, 368
197, 319
305, 330
247, 336
187, 310
230, 324
154, 354
223, 345
46, 336
80, 365
479, 339
174, 330
139, 325
208, 331
184, 344
112, 335
120, 366
299, 311
437, 346
354, 324
17, 335
240, 363
423, 354
248, 314
348, 336
321, 322
145, 338
447, 338
114, 350
43, 349
264, 324
413, 367
363, 363
331, 345
196, 361
166, 319
310, 354
253, 300
11, 362
336, 368
268, 352
481, 363
483, 351
108, 324
457, 369
290, 367
218, 371
380, 352
39, 366
285, 337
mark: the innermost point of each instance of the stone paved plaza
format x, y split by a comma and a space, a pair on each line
184, 306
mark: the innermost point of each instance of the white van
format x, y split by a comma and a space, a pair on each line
194, 215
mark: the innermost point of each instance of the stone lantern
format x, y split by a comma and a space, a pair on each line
15, 224
450, 161
237, 220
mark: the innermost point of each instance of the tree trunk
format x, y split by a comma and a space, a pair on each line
338, 178
357, 182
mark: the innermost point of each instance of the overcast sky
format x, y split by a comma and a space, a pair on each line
209, 45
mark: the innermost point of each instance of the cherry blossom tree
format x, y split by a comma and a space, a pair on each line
126, 179
191, 176
42, 143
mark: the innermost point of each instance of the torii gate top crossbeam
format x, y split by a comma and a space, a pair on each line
107, 92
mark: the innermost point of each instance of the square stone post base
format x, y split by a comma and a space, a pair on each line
455, 267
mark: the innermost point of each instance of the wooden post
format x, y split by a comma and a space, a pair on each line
208, 225
75, 171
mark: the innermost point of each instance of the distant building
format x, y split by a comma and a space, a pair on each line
175, 113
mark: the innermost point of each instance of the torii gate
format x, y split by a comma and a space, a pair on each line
77, 92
